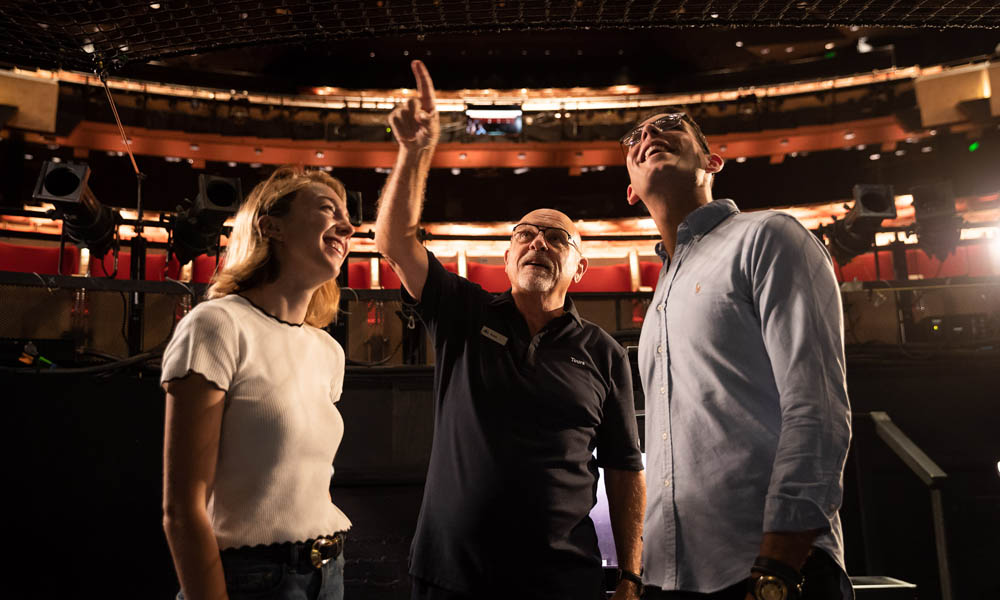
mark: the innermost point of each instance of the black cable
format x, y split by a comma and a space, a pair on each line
94, 370
377, 363
113, 274
99, 354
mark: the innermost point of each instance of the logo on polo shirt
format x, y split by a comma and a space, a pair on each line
577, 361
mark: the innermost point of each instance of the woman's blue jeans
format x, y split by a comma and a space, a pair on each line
251, 578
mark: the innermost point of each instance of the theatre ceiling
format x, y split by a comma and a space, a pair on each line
655, 48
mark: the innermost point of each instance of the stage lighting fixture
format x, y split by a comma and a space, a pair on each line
938, 226
86, 222
855, 233
197, 229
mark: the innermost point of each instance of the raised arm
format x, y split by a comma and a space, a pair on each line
416, 127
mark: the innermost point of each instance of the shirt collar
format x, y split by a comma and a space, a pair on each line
701, 220
507, 298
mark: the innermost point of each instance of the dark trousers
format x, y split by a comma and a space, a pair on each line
424, 590
822, 582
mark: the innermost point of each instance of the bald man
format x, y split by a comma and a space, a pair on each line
524, 391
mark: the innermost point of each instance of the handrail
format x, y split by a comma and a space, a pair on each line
922, 465
933, 477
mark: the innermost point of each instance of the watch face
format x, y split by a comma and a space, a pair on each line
770, 588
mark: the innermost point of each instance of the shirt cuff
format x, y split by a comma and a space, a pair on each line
788, 513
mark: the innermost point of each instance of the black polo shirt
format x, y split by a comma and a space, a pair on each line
512, 475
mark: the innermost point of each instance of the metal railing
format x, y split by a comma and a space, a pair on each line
932, 476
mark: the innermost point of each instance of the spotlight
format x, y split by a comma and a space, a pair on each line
938, 227
197, 229
855, 233
86, 222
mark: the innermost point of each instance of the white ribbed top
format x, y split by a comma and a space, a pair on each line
280, 428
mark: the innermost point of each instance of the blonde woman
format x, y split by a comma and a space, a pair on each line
251, 424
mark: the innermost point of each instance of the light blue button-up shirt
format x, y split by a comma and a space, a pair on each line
747, 418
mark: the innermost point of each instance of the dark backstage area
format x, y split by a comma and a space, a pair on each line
489, 299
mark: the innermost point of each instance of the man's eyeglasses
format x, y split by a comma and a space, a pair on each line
557, 237
664, 123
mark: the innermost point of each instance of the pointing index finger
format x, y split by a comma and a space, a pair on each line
425, 87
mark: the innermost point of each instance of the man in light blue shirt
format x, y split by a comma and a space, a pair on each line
742, 363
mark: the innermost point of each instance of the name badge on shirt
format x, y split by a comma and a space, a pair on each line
493, 335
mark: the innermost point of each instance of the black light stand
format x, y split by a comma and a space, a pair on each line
904, 298
137, 300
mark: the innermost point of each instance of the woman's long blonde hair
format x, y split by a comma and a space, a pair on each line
250, 258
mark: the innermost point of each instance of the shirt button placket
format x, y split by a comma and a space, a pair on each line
669, 518
663, 358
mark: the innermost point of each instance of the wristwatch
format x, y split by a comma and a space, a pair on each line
624, 575
777, 580
769, 587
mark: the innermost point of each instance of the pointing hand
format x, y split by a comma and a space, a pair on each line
415, 123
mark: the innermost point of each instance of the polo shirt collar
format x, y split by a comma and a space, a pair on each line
701, 220
507, 298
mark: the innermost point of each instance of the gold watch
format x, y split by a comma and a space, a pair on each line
769, 587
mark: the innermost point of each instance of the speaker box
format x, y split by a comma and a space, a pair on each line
940, 94
35, 99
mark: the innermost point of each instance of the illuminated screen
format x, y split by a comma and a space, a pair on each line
493, 120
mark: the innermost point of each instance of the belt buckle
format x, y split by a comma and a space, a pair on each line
321, 544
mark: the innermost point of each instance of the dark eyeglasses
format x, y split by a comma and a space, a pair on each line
557, 237
664, 123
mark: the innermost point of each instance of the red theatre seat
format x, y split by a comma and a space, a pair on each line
38, 259
390, 281
155, 264
972, 260
605, 278
491, 278
387, 277
649, 273
984, 258
359, 274
862, 268
203, 268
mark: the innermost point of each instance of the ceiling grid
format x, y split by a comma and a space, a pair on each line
93, 35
